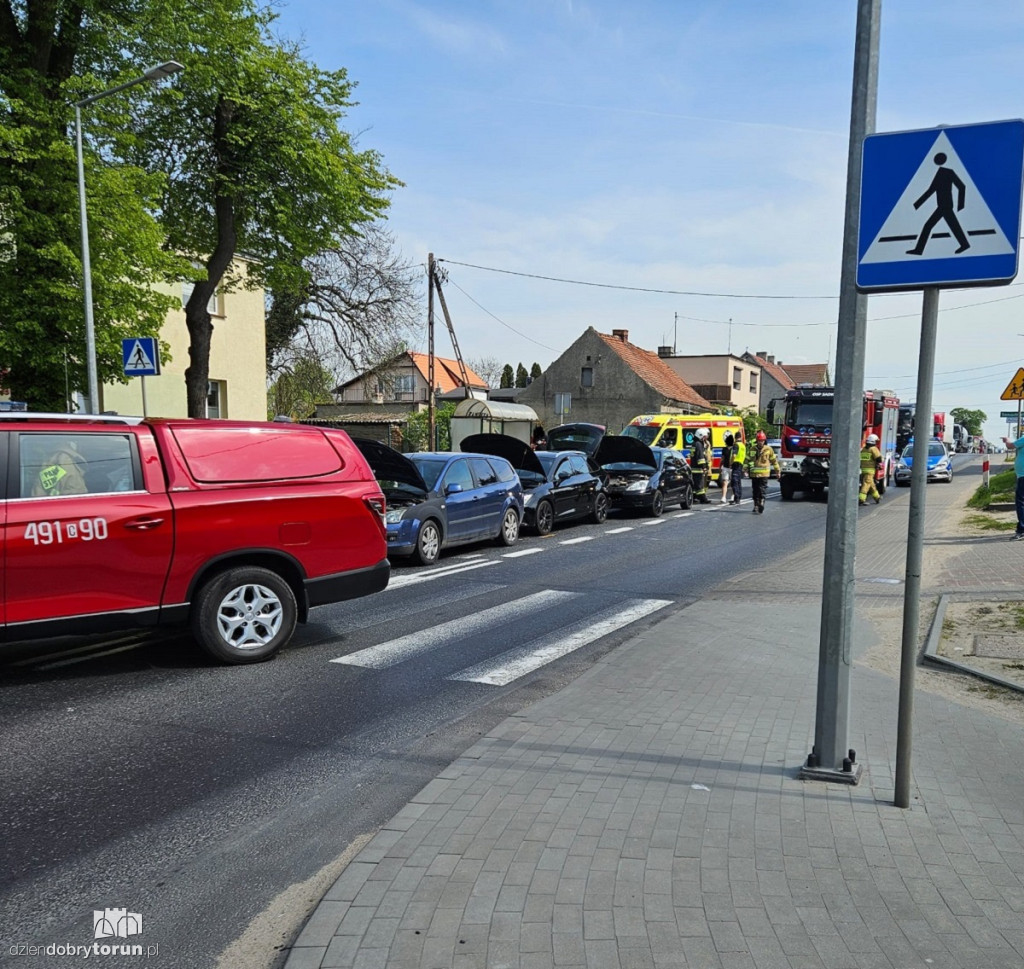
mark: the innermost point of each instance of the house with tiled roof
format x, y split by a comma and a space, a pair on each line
775, 380
815, 374
405, 381
604, 379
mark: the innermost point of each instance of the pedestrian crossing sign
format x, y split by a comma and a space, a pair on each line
140, 356
1015, 388
940, 207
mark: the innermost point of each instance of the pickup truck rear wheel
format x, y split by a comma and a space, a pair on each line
244, 615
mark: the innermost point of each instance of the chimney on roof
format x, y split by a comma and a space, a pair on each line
770, 359
664, 351
622, 335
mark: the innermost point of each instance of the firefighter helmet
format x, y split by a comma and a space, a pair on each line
760, 437
871, 439
702, 433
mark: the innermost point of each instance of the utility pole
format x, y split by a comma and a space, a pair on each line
431, 414
830, 760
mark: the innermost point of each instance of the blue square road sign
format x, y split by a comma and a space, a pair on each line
140, 356
940, 207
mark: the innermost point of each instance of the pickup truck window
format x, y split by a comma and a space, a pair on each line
231, 453
53, 465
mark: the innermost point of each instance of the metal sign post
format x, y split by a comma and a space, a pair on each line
939, 208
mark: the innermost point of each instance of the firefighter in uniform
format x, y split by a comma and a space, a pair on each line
700, 464
761, 463
870, 461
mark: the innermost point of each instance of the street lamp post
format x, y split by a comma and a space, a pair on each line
154, 74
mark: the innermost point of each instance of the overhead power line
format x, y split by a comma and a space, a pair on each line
644, 289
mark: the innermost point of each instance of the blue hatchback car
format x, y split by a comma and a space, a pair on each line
438, 499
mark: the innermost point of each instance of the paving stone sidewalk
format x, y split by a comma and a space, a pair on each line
650, 813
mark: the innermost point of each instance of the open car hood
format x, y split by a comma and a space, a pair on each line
518, 453
576, 437
624, 450
387, 464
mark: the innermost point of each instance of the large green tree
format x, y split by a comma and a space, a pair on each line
53, 53
256, 162
973, 420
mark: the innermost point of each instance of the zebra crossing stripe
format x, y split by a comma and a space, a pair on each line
508, 666
404, 581
395, 651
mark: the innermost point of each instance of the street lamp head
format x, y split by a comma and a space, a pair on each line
161, 71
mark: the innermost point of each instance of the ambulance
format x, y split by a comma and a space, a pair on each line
677, 431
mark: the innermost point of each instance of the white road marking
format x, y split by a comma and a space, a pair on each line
401, 581
684, 514
619, 531
653, 521
522, 552
576, 541
395, 651
508, 666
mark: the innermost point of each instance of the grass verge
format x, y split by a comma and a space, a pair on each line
1001, 487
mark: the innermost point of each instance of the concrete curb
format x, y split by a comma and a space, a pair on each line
931, 655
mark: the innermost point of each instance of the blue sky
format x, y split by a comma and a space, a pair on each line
693, 146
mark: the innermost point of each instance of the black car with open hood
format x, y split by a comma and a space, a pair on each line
558, 485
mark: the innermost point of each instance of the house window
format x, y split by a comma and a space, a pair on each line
587, 377
214, 307
215, 398
753, 381
737, 378
405, 384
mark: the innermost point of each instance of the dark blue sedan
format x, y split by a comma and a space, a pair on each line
437, 499
559, 485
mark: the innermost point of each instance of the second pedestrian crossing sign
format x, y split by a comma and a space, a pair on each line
940, 207
140, 357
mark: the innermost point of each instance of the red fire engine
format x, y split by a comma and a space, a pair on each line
806, 434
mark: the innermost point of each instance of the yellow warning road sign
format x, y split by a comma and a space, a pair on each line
1015, 388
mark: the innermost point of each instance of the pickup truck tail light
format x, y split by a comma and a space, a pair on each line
377, 504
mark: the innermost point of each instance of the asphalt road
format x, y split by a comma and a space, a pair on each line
136, 775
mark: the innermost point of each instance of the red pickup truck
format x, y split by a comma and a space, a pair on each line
236, 529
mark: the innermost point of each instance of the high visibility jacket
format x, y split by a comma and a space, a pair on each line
870, 458
762, 461
741, 453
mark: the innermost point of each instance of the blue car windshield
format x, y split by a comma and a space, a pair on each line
430, 468
935, 450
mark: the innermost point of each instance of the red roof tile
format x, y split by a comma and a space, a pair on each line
655, 372
808, 373
776, 371
446, 372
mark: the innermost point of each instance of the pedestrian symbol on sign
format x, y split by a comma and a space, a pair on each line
942, 188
